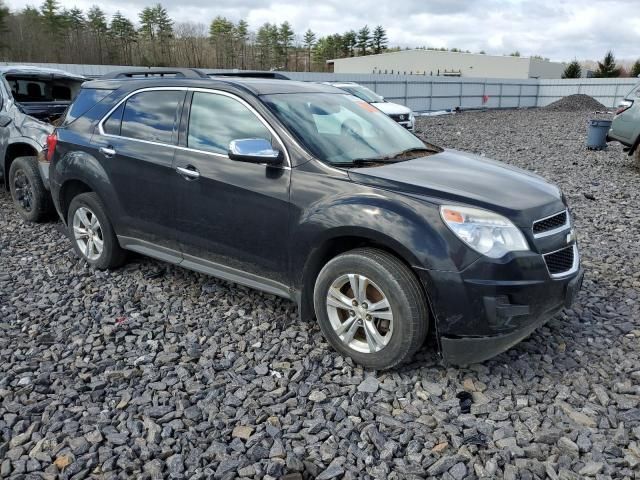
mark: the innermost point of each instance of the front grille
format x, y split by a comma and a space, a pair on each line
550, 223
403, 117
560, 261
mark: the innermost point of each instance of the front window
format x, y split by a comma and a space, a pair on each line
363, 93
342, 129
216, 119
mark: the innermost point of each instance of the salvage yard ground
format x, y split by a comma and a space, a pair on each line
153, 371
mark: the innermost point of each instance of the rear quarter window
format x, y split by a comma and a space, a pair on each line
86, 99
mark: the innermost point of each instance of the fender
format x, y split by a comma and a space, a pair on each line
80, 166
29, 141
409, 227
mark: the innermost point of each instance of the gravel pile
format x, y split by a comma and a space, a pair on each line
155, 372
576, 103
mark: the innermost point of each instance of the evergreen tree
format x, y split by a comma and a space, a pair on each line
266, 42
157, 28
364, 40
4, 15
379, 39
241, 36
635, 69
51, 18
221, 36
97, 25
75, 19
123, 35
309, 42
285, 40
607, 68
573, 70
350, 42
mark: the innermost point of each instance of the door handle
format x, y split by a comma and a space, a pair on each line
189, 171
107, 151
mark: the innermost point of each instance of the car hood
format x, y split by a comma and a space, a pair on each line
461, 178
391, 108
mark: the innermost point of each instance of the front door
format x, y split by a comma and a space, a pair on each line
136, 145
231, 215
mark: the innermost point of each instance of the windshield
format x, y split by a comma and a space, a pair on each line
363, 93
341, 129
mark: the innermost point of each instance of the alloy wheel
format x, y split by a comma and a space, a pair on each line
24, 190
88, 233
360, 313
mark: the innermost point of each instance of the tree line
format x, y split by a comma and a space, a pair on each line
607, 68
54, 34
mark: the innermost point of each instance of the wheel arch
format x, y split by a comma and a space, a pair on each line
22, 147
68, 191
340, 242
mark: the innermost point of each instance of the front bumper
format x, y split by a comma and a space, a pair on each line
408, 125
494, 304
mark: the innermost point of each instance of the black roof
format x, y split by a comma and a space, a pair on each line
255, 86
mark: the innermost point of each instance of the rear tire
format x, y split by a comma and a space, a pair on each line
92, 234
385, 322
30, 197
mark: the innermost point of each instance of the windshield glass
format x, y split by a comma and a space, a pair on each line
363, 93
341, 129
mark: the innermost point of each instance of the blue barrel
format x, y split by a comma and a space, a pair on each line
597, 134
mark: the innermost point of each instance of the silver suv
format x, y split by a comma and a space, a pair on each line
625, 127
31, 100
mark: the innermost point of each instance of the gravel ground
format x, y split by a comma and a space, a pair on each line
153, 371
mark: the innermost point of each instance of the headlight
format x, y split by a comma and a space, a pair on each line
486, 232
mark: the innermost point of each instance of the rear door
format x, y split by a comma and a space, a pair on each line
233, 214
136, 145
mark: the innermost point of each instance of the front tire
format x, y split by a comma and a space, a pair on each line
30, 197
370, 306
92, 234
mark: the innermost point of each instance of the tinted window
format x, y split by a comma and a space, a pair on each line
112, 125
86, 99
151, 116
215, 120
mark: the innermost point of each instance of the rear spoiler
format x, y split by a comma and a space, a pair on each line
155, 73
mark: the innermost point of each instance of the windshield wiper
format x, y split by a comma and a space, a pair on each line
408, 151
359, 162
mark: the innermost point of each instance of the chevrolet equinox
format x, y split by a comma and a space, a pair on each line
309, 193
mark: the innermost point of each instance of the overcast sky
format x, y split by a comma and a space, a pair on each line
558, 29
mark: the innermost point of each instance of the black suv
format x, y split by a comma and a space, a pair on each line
309, 193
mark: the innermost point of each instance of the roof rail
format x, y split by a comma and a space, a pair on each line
250, 74
155, 72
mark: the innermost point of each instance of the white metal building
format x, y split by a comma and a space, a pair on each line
453, 64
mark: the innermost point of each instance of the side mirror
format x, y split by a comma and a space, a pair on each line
5, 120
254, 150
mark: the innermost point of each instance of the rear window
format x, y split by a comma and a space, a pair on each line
86, 99
35, 89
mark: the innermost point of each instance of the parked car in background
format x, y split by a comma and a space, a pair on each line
307, 192
32, 99
401, 114
625, 127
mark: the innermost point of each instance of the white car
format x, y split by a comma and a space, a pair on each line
401, 114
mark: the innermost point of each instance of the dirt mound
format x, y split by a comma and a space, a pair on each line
576, 103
